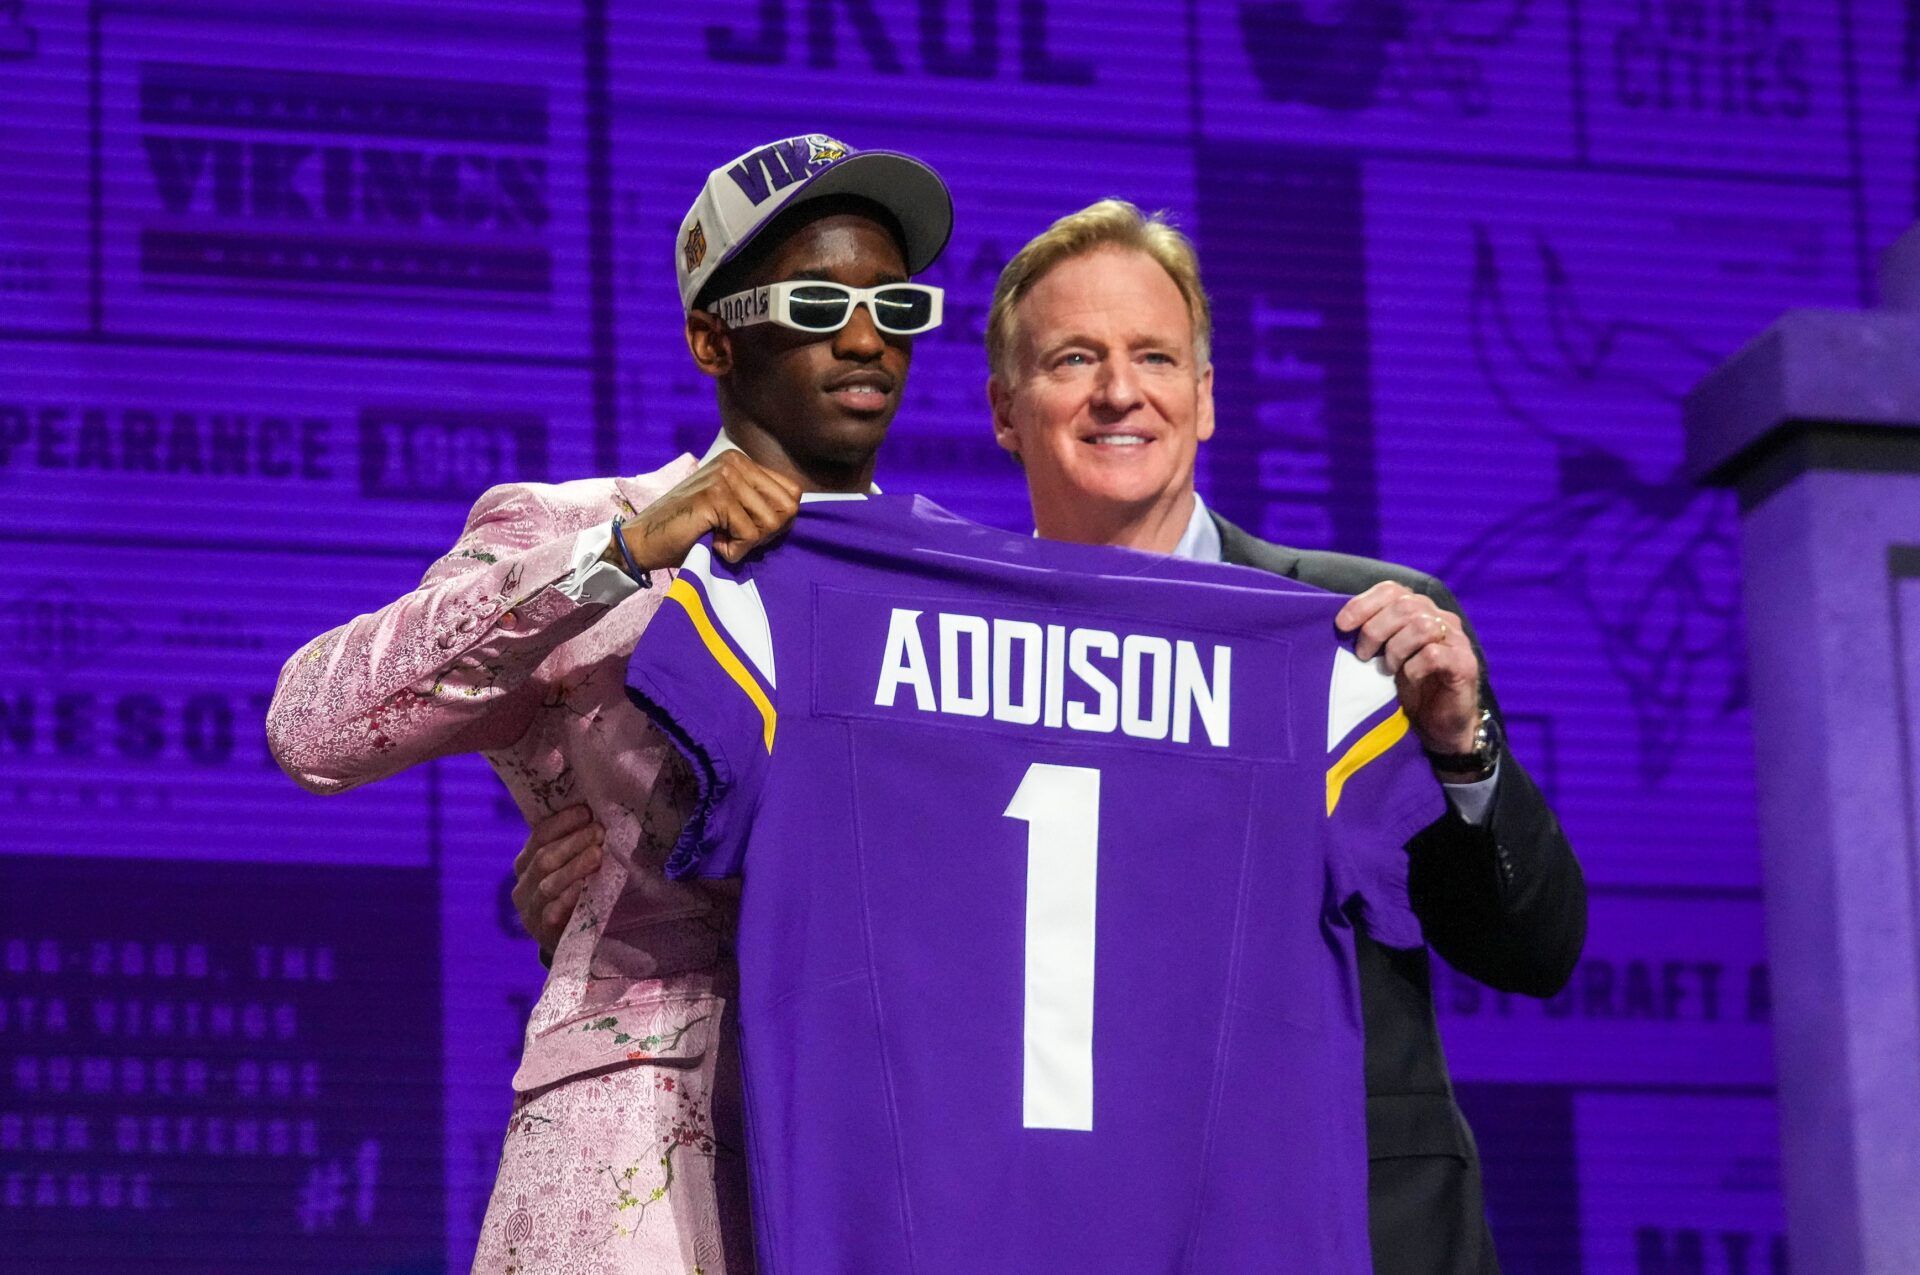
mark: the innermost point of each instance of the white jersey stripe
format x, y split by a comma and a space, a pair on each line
737, 609
1358, 691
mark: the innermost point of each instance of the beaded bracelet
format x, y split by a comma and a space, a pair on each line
642, 578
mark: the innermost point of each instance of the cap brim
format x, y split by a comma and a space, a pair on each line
901, 184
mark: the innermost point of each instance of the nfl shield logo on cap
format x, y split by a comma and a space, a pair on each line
743, 195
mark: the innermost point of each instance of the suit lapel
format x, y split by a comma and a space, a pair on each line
1243, 550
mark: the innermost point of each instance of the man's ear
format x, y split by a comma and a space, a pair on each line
1203, 417
710, 343
1000, 403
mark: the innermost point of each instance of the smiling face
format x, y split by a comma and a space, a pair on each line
815, 406
1104, 401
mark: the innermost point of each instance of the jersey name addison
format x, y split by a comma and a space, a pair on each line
1091, 680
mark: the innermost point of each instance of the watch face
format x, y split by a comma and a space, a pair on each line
1487, 747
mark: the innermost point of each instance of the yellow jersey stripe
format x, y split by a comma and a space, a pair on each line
688, 597
1365, 749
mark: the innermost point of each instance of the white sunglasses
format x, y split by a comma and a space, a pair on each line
806, 305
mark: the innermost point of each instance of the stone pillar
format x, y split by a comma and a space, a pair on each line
1816, 424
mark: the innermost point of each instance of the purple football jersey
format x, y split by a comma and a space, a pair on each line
1051, 859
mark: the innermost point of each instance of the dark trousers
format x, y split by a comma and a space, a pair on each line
1426, 1217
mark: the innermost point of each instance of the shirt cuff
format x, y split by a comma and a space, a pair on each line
593, 579
1472, 801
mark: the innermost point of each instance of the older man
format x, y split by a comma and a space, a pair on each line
1098, 340
1101, 387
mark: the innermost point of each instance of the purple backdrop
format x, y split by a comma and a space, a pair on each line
283, 287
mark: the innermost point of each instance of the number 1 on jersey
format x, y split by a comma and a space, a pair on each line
1061, 807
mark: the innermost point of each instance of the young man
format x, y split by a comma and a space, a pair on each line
1102, 389
516, 646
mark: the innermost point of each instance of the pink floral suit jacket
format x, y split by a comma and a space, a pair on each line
611, 1154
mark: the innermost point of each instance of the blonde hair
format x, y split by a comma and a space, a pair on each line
1110, 223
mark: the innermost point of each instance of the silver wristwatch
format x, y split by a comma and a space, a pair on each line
1478, 761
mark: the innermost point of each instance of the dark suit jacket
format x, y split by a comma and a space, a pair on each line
1504, 903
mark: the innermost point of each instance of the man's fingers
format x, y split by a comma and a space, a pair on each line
548, 829
741, 515
1364, 606
1413, 633
779, 497
785, 485
573, 870
558, 855
742, 502
559, 824
1440, 689
1449, 663
1400, 623
755, 516
1406, 644
555, 914
748, 514
1431, 660
1408, 611
782, 493
740, 467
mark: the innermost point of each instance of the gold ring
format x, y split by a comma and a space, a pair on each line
1443, 629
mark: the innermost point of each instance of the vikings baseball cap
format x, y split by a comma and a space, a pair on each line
744, 194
